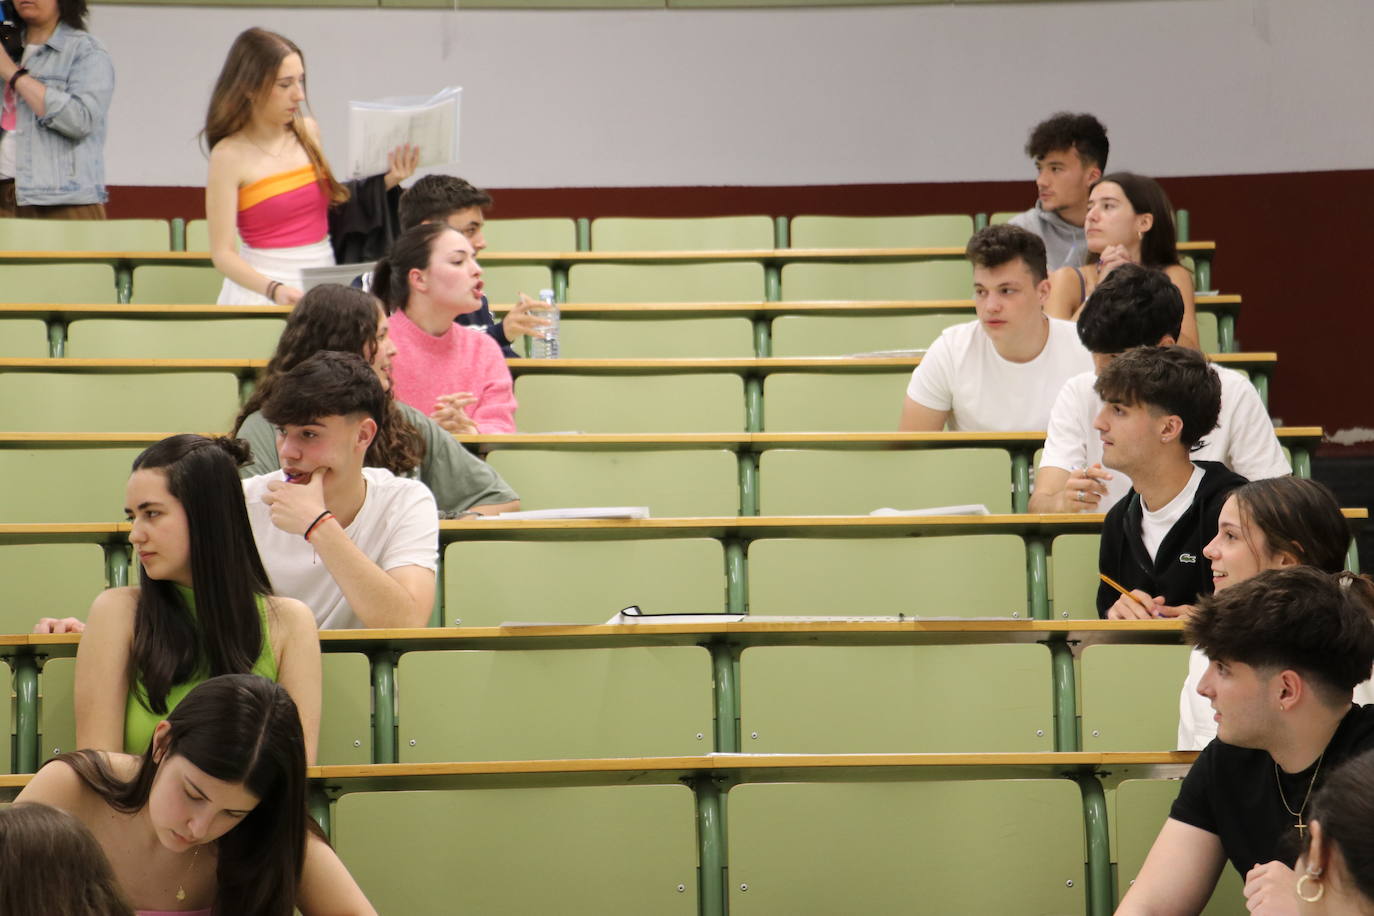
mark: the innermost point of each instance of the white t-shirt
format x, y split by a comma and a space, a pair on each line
1196, 727
963, 373
1244, 439
1155, 525
398, 525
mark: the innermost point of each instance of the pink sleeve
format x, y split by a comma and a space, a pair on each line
494, 411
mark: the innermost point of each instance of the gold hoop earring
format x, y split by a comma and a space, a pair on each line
1310, 876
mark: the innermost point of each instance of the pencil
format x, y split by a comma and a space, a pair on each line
1116, 585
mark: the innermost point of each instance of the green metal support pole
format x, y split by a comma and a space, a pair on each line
384, 706
1037, 577
318, 800
726, 695
1226, 333
584, 234
980, 221
1065, 697
1099, 867
736, 578
25, 713
1020, 480
753, 404
1202, 270
57, 338
116, 565
436, 613
781, 233
1352, 556
246, 385
560, 282
178, 234
1302, 461
763, 337
772, 282
1181, 222
124, 282
748, 482
710, 798
1261, 380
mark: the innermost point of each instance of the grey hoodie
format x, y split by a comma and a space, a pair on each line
1064, 242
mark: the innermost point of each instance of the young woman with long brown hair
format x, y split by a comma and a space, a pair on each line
269, 181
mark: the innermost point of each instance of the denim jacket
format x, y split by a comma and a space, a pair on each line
60, 157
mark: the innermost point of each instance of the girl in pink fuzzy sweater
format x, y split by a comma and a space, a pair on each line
455, 374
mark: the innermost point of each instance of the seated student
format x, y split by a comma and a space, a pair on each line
1286, 648
446, 199
455, 374
1159, 402
358, 545
1138, 307
1003, 370
1336, 867
1266, 524
333, 317
1130, 221
50, 863
204, 605
1070, 153
212, 816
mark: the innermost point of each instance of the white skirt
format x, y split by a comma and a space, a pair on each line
281, 264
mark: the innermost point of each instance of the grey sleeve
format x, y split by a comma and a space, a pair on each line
1029, 221
260, 436
458, 479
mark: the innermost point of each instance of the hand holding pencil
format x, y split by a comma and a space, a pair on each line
1136, 604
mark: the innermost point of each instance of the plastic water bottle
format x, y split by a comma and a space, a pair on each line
544, 342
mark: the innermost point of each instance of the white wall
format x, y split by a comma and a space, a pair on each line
777, 97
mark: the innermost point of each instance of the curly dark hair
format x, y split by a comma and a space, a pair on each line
334, 317
434, 197
1175, 380
1082, 133
1133, 306
997, 245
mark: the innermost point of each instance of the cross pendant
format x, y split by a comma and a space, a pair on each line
1301, 827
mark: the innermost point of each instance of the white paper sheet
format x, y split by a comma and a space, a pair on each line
429, 122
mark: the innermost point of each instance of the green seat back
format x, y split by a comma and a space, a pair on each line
833, 402
958, 576
647, 404
503, 284
176, 285
554, 704
174, 338
1209, 338
48, 580
197, 235
1073, 576
574, 851
896, 848
712, 233
85, 235
1004, 216
23, 338
1137, 811
845, 482
864, 700
56, 708
881, 231
530, 235
1130, 697
118, 401
579, 581
670, 483
942, 279
66, 284
346, 711
667, 338
65, 485
834, 335
727, 281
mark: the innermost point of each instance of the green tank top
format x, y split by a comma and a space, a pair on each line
139, 720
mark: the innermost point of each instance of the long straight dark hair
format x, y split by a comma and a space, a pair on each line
335, 317
1159, 245
225, 635
242, 729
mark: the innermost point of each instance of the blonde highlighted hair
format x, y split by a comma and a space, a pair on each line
247, 76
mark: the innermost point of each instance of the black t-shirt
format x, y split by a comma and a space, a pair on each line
1231, 791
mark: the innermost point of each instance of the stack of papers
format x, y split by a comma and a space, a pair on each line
579, 512
971, 509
